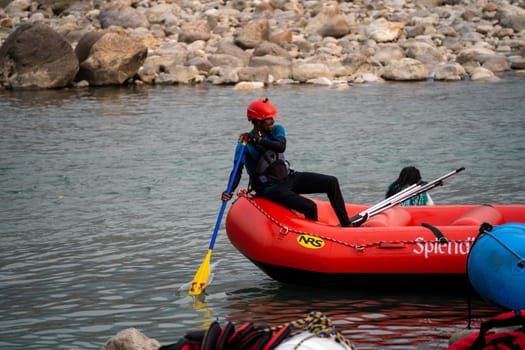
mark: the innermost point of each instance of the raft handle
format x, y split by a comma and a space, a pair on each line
439, 235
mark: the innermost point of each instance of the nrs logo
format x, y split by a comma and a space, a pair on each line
310, 242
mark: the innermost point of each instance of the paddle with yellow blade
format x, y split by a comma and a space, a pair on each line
200, 280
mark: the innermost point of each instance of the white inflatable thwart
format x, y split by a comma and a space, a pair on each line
310, 341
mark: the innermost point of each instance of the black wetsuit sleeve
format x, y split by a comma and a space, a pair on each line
278, 144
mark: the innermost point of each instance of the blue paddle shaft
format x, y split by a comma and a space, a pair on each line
228, 189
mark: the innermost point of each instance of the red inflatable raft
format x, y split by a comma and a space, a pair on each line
402, 244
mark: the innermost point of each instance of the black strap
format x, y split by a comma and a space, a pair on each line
211, 336
508, 319
511, 318
439, 235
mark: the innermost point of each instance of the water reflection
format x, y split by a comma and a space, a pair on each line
370, 319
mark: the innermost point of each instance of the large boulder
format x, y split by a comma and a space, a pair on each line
424, 52
449, 72
512, 17
384, 31
229, 48
254, 74
481, 73
193, 31
336, 27
405, 69
278, 67
109, 58
388, 52
304, 72
35, 56
253, 33
123, 16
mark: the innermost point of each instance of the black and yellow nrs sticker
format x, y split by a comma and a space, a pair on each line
310, 242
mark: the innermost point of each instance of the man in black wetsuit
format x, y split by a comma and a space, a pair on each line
270, 176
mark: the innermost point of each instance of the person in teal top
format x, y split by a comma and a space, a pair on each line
269, 171
408, 176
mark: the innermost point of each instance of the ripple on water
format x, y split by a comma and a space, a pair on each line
109, 199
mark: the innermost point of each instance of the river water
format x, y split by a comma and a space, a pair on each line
109, 197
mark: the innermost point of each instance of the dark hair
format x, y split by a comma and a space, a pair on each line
408, 176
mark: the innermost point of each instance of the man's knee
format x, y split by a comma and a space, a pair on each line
333, 182
310, 210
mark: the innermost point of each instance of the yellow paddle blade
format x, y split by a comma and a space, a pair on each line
201, 277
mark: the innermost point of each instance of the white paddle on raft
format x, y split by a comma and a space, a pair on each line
412, 191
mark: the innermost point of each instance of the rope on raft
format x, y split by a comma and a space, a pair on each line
317, 323
284, 230
521, 260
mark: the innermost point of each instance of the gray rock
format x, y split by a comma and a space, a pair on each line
382, 30
413, 31
178, 52
201, 63
481, 73
354, 62
424, 52
495, 63
190, 32
282, 37
475, 53
253, 33
83, 48
122, 16
112, 60
56, 6
15, 7
224, 75
153, 66
178, 74
336, 27
388, 52
449, 72
268, 48
224, 60
229, 48
512, 17
517, 62
35, 56
279, 67
406, 69
130, 339
308, 71
260, 74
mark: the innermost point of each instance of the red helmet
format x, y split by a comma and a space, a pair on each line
261, 109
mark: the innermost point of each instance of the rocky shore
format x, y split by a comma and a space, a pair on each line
250, 44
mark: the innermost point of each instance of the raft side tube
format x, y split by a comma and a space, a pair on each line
395, 216
478, 215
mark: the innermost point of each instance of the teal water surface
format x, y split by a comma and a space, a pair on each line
109, 197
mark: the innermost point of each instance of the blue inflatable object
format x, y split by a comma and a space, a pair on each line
496, 265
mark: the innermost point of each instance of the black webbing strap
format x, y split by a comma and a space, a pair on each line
439, 235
